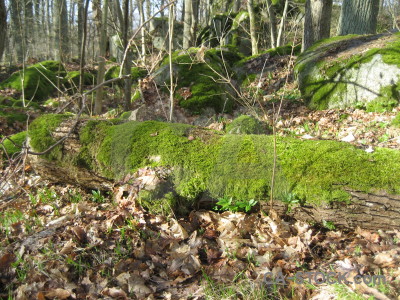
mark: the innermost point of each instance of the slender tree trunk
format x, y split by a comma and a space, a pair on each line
317, 21
143, 29
29, 27
195, 20
272, 24
171, 71
187, 24
253, 34
61, 29
282, 24
127, 65
3, 27
101, 59
17, 29
83, 45
358, 17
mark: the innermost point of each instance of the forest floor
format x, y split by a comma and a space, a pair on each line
59, 241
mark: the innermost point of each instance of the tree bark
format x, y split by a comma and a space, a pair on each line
61, 30
3, 27
101, 59
127, 65
358, 17
272, 24
17, 29
317, 21
187, 24
372, 209
253, 33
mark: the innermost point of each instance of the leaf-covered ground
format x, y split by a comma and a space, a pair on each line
60, 242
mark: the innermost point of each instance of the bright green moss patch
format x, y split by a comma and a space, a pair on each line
246, 125
40, 133
237, 166
14, 146
38, 80
396, 121
283, 50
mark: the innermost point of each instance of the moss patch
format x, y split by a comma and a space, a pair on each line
39, 80
40, 132
246, 125
201, 79
10, 148
238, 166
136, 73
72, 78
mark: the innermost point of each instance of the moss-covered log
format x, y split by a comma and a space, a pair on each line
318, 180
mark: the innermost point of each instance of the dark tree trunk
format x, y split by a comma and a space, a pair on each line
358, 17
3, 27
317, 21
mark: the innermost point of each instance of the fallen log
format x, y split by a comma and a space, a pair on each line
317, 181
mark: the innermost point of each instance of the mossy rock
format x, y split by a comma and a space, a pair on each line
198, 84
246, 125
72, 79
39, 80
12, 114
136, 74
14, 146
351, 71
238, 166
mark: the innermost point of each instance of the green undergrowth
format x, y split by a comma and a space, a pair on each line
323, 80
39, 80
72, 79
206, 87
237, 166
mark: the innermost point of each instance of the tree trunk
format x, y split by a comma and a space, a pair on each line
61, 29
142, 30
3, 27
330, 181
127, 65
101, 59
253, 34
282, 24
358, 17
272, 24
187, 24
317, 21
17, 29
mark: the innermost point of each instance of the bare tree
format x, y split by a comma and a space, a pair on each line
317, 21
3, 27
101, 59
253, 34
358, 17
190, 23
61, 29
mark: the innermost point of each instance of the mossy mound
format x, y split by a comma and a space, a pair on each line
136, 73
198, 84
238, 166
246, 125
351, 71
72, 79
39, 80
14, 146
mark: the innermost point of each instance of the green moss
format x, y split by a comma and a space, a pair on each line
39, 80
72, 78
40, 133
238, 166
15, 146
246, 125
206, 88
283, 50
13, 115
396, 121
136, 73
